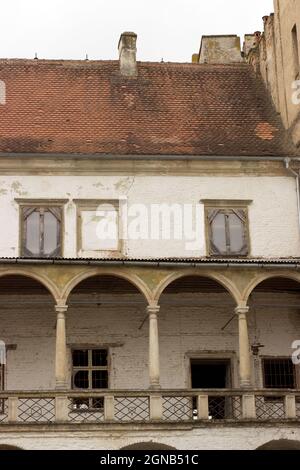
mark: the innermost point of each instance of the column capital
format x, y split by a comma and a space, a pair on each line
61, 309
153, 309
241, 310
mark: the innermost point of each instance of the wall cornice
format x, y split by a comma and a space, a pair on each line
82, 166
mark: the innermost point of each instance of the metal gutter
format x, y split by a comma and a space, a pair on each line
153, 263
297, 176
140, 157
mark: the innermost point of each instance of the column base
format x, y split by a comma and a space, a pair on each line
61, 386
154, 387
245, 384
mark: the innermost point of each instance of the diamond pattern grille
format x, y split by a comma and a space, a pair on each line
36, 410
3, 410
236, 407
298, 407
132, 408
137, 409
178, 408
269, 408
216, 407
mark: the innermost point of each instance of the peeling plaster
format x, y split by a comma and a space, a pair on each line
125, 184
16, 187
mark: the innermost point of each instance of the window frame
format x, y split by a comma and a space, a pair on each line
27, 204
227, 206
2, 377
296, 50
214, 357
90, 368
281, 358
2, 386
83, 205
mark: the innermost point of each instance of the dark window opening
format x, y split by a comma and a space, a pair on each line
90, 372
228, 232
41, 229
279, 373
296, 51
212, 374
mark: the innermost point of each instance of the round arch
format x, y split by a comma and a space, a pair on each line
265, 277
44, 280
9, 447
280, 444
131, 278
148, 446
220, 279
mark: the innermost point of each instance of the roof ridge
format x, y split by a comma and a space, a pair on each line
37, 62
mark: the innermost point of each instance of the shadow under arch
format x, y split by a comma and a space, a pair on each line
220, 280
9, 447
131, 279
148, 446
280, 444
16, 277
258, 281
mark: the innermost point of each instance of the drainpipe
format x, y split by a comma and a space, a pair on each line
297, 176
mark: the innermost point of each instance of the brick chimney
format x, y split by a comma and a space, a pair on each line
220, 50
127, 54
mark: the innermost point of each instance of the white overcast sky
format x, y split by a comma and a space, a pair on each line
168, 29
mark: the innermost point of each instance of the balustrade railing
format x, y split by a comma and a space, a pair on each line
211, 406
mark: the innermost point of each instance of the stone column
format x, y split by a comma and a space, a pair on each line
154, 376
61, 348
244, 347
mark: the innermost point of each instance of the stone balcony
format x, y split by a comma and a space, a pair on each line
142, 407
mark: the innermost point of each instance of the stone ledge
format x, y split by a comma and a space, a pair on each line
159, 426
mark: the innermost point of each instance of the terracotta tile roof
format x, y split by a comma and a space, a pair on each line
86, 107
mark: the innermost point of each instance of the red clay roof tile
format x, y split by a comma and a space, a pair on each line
86, 107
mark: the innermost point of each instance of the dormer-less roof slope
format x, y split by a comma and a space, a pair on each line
88, 107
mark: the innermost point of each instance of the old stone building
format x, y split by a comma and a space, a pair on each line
150, 247
275, 53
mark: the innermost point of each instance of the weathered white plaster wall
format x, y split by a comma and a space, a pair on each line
184, 331
248, 437
273, 216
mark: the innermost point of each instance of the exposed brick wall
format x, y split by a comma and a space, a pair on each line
184, 331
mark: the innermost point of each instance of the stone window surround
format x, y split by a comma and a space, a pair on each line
92, 204
261, 371
108, 346
90, 367
47, 202
80, 204
243, 204
211, 356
